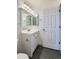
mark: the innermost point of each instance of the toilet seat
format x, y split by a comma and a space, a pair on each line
22, 56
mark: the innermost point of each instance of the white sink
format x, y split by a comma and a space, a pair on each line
30, 31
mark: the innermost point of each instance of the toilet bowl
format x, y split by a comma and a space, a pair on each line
22, 56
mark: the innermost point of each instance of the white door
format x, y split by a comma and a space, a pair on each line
46, 32
57, 32
50, 32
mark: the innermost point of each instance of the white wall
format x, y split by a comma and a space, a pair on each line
19, 47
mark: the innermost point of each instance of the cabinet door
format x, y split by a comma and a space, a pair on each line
26, 44
34, 43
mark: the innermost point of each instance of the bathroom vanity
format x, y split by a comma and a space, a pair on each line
29, 30
29, 41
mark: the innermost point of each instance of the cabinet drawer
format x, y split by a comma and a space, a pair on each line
25, 37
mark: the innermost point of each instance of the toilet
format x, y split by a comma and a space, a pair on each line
22, 56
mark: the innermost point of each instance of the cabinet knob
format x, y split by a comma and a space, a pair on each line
27, 39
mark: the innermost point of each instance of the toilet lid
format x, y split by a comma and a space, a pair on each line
22, 56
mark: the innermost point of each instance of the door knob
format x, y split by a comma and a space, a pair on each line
43, 29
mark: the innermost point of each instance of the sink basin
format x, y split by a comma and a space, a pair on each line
30, 31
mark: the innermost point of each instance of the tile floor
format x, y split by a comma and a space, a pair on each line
45, 53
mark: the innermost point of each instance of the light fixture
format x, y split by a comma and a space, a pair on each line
27, 8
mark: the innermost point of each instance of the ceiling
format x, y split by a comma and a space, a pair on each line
42, 4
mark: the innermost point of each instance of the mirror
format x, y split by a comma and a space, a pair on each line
28, 20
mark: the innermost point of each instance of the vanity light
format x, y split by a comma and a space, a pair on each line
29, 10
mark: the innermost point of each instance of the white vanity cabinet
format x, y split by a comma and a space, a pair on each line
29, 43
